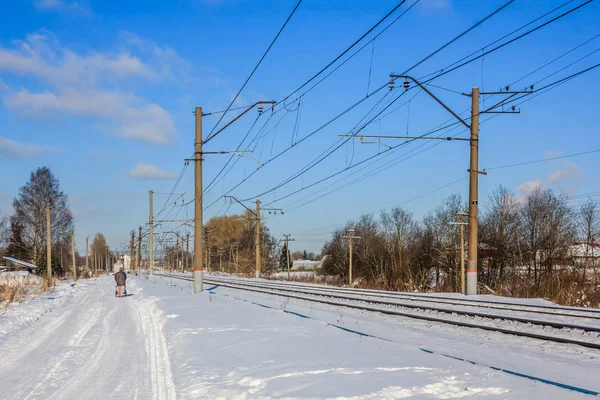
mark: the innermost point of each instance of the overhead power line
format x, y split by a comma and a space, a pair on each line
318, 160
544, 160
542, 90
444, 71
256, 67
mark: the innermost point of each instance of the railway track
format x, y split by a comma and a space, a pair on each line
560, 311
518, 325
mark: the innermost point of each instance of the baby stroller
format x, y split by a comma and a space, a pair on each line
124, 292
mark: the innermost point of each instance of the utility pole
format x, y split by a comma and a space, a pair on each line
187, 250
139, 251
220, 260
207, 251
182, 254
474, 155
257, 239
86, 255
48, 246
350, 237
257, 219
287, 249
177, 252
132, 251
107, 260
237, 258
198, 256
473, 194
462, 249
73, 252
151, 237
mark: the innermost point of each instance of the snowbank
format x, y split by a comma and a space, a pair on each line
19, 278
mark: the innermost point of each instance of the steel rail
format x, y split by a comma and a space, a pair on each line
396, 312
440, 299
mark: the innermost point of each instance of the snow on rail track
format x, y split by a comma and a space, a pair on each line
576, 312
555, 331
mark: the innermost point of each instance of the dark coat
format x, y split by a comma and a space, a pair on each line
120, 278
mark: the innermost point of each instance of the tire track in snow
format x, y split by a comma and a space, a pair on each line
86, 324
34, 336
152, 321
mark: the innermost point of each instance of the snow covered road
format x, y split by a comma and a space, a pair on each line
94, 346
163, 342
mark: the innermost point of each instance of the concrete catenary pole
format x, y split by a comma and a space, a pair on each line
187, 250
176, 252
198, 227
207, 261
182, 254
473, 194
287, 249
73, 254
138, 264
107, 259
151, 237
462, 256
257, 239
237, 258
86, 255
132, 251
220, 260
350, 238
48, 247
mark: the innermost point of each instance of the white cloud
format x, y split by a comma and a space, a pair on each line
527, 187
568, 177
12, 149
570, 172
78, 7
124, 112
90, 85
41, 56
147, 171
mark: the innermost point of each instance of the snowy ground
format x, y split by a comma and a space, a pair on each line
163, 342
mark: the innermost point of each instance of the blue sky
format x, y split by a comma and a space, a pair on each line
102, 92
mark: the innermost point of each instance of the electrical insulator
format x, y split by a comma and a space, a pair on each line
531, 87
507, 87
512, 108
260, 109
406, 84
391, 84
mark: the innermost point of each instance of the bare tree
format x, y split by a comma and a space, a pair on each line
444, 250
99, 248
402, 232
499, 227
30, 214
588, 223
548, 232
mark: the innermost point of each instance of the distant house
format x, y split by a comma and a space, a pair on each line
125, 261
305, 265
14, 264
584, 253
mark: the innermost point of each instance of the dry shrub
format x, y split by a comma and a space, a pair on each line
9, 294
564, 286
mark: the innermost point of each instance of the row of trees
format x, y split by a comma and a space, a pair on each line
23, 235
231, 244
522, 242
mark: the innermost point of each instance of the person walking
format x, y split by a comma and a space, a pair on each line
120, 278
